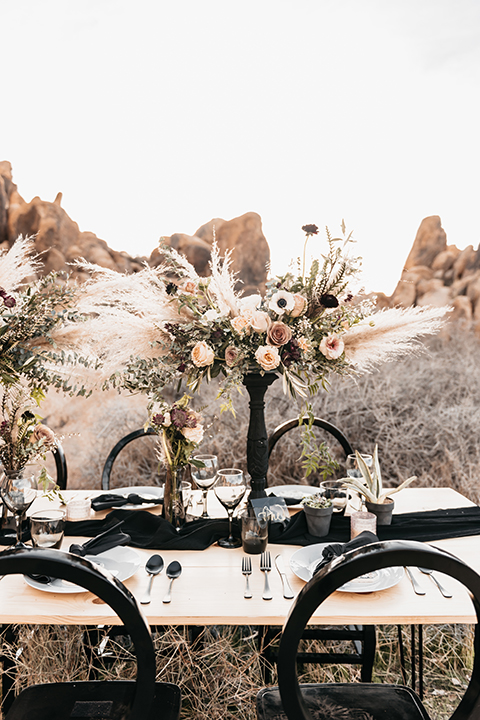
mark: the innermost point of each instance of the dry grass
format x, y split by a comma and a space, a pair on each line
220, 671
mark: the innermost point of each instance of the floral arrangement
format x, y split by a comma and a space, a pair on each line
29, 311
180, 430
23, 438
168, 324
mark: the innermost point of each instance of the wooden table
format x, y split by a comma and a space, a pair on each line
210, 589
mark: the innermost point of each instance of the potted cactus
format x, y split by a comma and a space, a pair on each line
318, 513
377, 498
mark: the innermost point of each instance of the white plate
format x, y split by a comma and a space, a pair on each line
123, 562
147, 491
293, 491
304, 561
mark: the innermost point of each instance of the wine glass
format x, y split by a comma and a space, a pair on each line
18, 490
230, 489
205, 476
353, 470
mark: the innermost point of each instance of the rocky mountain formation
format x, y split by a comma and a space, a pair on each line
60, 240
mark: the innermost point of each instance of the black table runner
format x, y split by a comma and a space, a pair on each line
152, 531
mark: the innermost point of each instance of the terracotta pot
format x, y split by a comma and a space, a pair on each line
318, 520
383, 511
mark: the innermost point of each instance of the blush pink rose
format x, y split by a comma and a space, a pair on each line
231, 355
202, 354
332, 346
267, 357
279, 334
44, 433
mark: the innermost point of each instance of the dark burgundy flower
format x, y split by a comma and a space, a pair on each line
349, 297
310, 229
181, 368
2, 293
171, 288
159, 419
191, 421
290, 353
9, 301
217, 334
179, 417
3, 427
329, 301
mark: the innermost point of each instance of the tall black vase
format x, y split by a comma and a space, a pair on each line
257, 439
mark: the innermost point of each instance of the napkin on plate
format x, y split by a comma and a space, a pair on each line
109, 500
111, 537
336, 549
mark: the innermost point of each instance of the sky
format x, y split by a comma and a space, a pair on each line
153, 117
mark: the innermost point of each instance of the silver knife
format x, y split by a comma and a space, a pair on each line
287, 590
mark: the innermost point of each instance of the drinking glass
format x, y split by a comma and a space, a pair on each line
335, 491
254, 533
230, 489
18, 491
352, 465
47, 528
205, 476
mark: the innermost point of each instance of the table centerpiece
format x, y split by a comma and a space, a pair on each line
167, 324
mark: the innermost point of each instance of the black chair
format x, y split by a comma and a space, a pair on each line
60, 466
142, 699
317, 422
363, 637
114, 452
395, 702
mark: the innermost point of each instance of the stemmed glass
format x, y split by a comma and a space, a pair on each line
18, 491
205, 476
230, 489
353, 471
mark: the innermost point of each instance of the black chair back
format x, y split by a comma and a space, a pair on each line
112, 456
347, 567
98, 581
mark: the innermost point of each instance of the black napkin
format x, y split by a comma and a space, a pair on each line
337, 549
109, 500
288, 500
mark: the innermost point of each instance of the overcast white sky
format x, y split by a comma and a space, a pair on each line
154, 116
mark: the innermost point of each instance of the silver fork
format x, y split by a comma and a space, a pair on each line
247, 570
265, 567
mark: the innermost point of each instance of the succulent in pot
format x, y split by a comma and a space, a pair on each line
377, 498
318, 513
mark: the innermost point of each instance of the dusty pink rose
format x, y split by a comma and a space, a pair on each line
42, 432
299, 307
331, 346
195, 434
260, 321
231, 355
202, 354
279, 334
189, 287
267, 357
240, 324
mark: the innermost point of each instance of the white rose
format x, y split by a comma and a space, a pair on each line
194, 434
202, 354
251, 302
260, 321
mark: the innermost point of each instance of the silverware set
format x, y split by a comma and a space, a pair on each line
154, 566
266, 567
418, 589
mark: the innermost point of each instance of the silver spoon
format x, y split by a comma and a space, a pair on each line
416, 587
444, 592
174, 570
154, 566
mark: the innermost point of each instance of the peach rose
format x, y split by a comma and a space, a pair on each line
194, 434
331, 346
232, 354
279, 334
260, 321
240, 324
42, 432
303, 344
299, 307
202, 354
189, 287
267, 357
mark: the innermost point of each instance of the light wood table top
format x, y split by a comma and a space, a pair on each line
210, 589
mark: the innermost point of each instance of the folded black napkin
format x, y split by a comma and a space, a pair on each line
110, 500
337, 549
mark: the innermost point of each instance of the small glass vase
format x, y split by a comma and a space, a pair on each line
17, 492
173, 507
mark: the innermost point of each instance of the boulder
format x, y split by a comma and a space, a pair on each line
250, 253
431, 240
